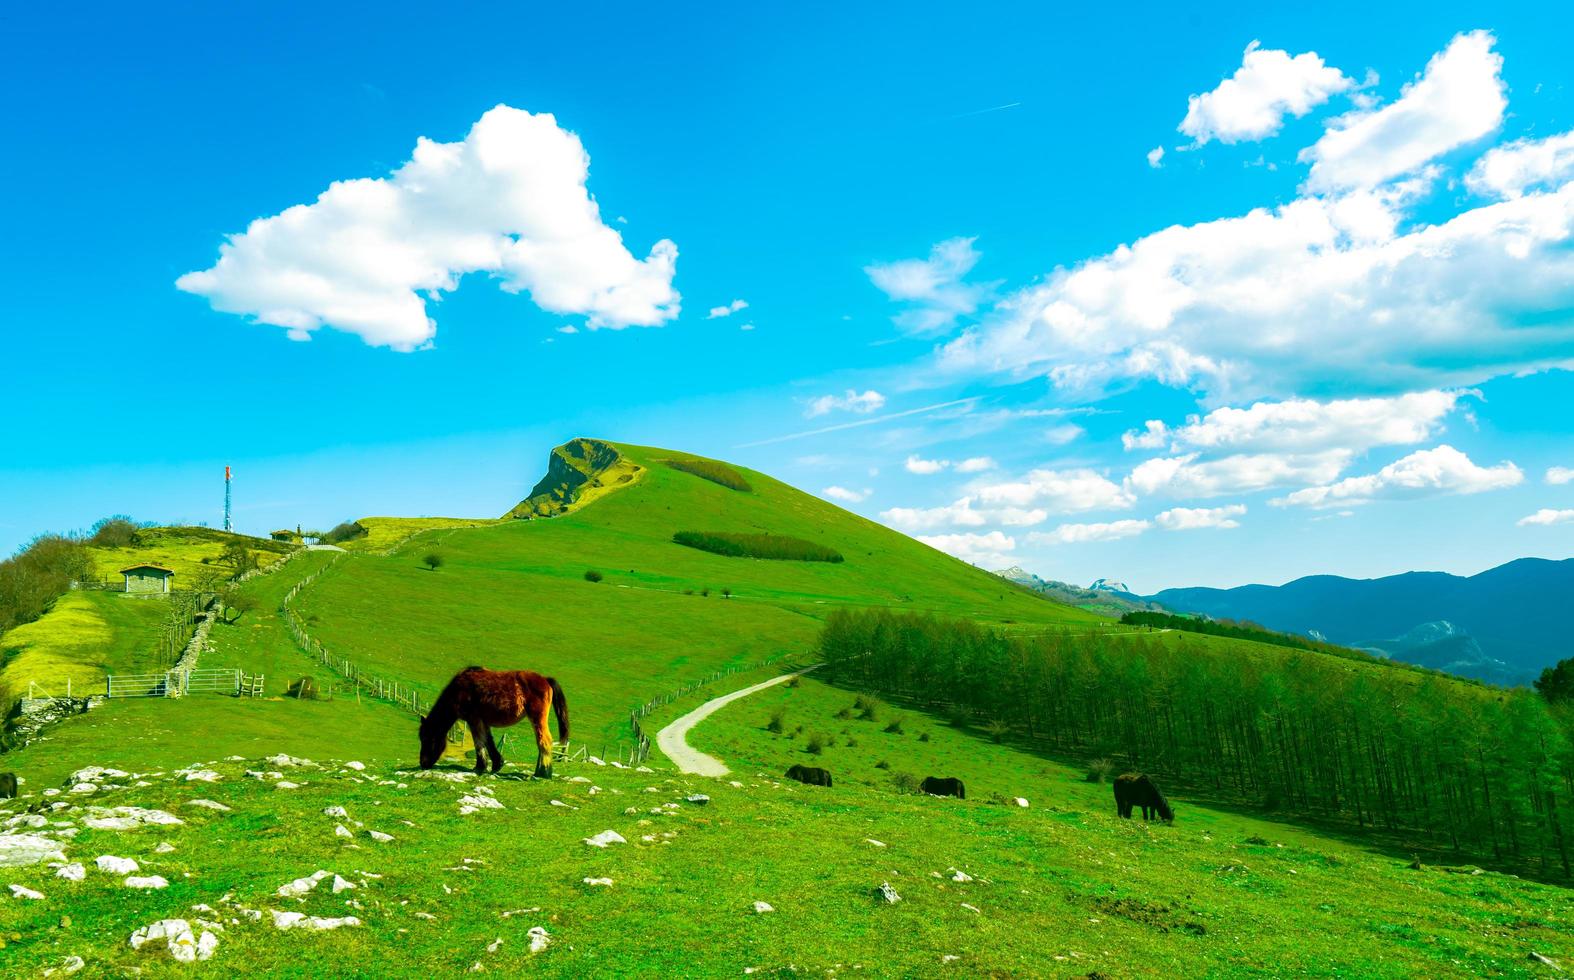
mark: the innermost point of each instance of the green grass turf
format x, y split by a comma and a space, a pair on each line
85, 636
191, 551
1060, 889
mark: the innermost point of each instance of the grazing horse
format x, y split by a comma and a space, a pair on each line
810, 776
1136, 789
948, 786
7, 785
487, 699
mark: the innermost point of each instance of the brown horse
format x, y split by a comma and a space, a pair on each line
1136, 789
487, 699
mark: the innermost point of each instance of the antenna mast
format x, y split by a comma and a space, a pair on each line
226, 498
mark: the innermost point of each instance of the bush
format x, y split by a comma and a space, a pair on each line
772, 547
118, 531
905, 783
238, 604
895, 727
305, 689
39, 574
726, 593
852, 743
346, 531
794, 681
816, 744
869, 713
709, 469
844, 714
997, 730
591, 575
882, 764
1099, 770
923, 737
778, 721
433, 560
238, 557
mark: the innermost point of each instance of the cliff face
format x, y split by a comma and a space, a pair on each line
577, 472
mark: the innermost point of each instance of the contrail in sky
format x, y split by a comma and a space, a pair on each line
860, 422
980, 112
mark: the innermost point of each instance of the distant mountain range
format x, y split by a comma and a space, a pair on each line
1503, 625
1105, 596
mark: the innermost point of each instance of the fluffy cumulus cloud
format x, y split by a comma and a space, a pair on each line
1457, 100
847, 496
964, 512
1559, 475
1508, 171
1057, 491
1546, 516
720, 311
1197, 518
1343, 288
976, 464
857, 402
1189, 476
934, 288
369, 254
1252, 103
1303, 424
991, 549
1081, 533
925, 467
1156, 157
1443, 470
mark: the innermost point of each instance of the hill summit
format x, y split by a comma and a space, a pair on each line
576, 472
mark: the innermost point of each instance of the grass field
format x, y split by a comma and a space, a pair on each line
84, 637
383, 533
192, 552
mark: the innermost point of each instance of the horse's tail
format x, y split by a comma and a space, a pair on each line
559, 708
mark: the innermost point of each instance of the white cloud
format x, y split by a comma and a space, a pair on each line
960, 513
1057, 491
568, 328
746, 326
1302, 424
859, 403
1508, 171
846, 495
1059, 435
933, 287
728, 310
1252, 103
1195, 518
1081, 533
976, 464
1443, 470
925, 467
1546, 516
1156, 157
369, 254
980, 549
1185, 477
1458, 99
1559, 475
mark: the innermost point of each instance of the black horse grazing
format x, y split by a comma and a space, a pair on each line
810, 776
7, 785
949, 786
1136, 789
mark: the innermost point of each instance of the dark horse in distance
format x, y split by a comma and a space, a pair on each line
810, 776
487, 699
947, 786
1136, 789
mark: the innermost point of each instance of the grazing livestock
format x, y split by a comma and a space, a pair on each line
1136, 789
810, 776
7, 785
949, 786
487, 699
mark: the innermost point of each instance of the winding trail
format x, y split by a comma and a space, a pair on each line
673, 739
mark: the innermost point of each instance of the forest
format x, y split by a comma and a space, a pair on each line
776, 547
1421, 759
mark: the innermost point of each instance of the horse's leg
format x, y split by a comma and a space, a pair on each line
544, 738
492, 750
479, 737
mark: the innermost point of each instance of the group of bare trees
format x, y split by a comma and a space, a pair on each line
1423, 758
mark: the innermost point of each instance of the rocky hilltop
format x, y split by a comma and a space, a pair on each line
577, 471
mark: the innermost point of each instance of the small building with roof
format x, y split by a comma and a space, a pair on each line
148, 578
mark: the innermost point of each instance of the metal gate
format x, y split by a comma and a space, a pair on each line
139, 685
210, 681
173, 683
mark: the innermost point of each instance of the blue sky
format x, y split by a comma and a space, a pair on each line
981, 306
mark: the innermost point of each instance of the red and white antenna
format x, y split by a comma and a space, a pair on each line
226, 498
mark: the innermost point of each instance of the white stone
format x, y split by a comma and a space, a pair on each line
379, 835
72, 872
93, 774
116, 865
164, 847
601, 882
210, 805
286, 762
1021, 802
21, 891
85, 788
203, 776
873, 843
352, 764
342, 885
594, 761
495, 945
20, 850
300, 886
539, 939
887, 894
605, 838
335, 811
150, 881
959, 875
342, 831
286, 784
72, 964
763, 908
130, 818
698, 799
481, 802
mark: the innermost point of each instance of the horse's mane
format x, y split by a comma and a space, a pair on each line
443, 713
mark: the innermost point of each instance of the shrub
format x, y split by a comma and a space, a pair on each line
923, 737
869, 713
1100, 770
794, 681
709, 469
346, 531
778, 721
895, 727
997, 730
118, 531
882, 764
238, 604
591, 575
305, 689
40, 573
905, 783
852, 743
239, 557
433, 560
816, 744
726, 593
705, 593
844, 714
772, 547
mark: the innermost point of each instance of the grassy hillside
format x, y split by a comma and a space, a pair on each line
193, 552
515, 594
85, 636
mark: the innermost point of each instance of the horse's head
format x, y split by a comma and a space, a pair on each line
1165, 813
431, 742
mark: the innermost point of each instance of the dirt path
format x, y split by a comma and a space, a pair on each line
673, 739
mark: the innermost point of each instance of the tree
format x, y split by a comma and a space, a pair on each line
116, 531
239, 557
238, 604
433, 561
1556, 683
